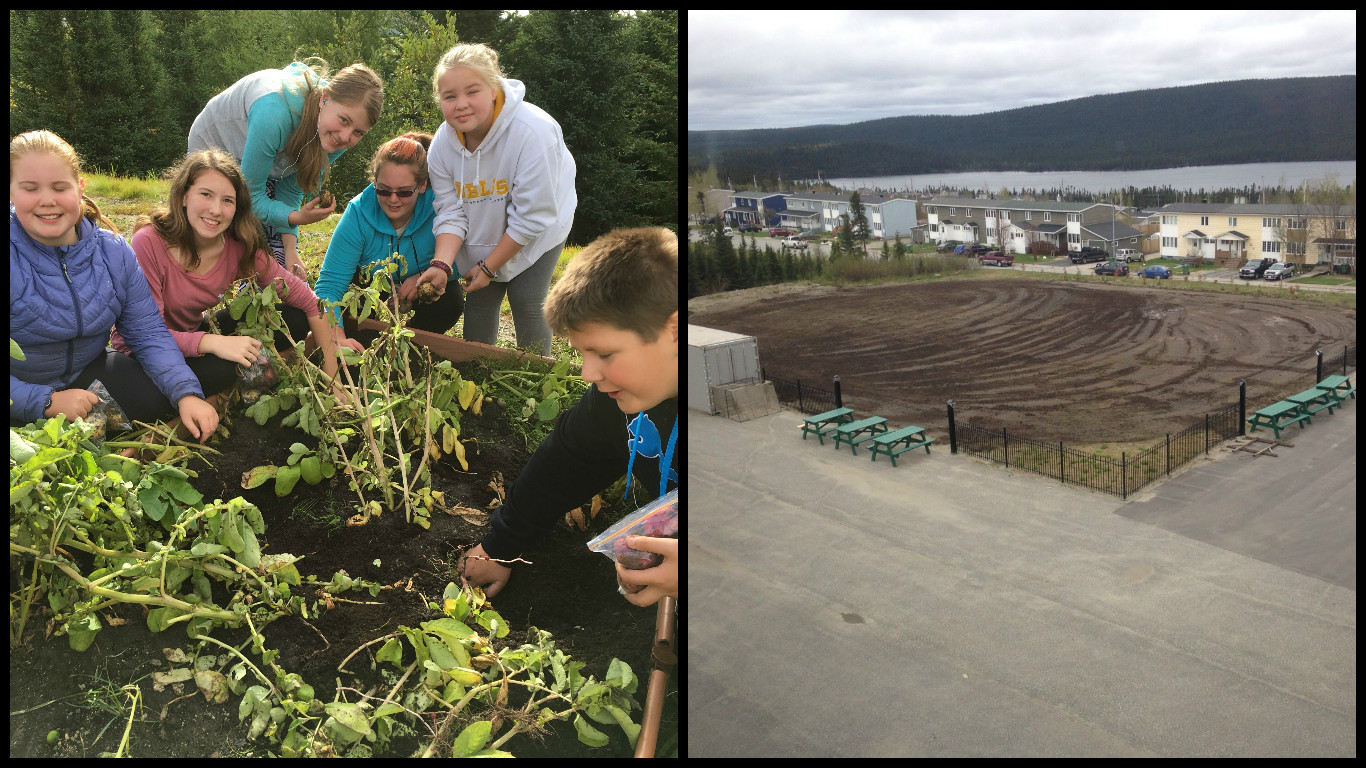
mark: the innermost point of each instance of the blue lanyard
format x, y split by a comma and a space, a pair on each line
665, 463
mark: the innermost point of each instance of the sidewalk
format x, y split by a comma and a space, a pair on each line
947, 607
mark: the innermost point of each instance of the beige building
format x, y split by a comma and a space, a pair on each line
1307, 235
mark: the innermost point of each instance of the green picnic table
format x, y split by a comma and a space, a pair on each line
856, 432
1340, 386
897, 442
1278, 416
823, 424
1313, 400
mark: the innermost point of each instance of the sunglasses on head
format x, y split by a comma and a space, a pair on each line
402, 193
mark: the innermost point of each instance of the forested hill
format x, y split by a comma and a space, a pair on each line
1243, 121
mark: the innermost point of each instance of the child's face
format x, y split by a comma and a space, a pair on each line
467, 101
638, 375
47, 197
400, 178
210, 204
341, 125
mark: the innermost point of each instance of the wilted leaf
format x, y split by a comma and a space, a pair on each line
213, 685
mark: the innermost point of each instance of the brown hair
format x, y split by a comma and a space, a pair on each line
173, 226
410, 149
51, 143
356, 85
628, 279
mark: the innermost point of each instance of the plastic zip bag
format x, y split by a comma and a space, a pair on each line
260, 374
659, 519
106, 415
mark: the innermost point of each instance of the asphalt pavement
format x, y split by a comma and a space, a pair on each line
838, 607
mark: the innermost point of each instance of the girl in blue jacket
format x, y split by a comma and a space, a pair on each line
70, 282
392, 215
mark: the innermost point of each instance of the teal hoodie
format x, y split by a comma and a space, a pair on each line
364, 236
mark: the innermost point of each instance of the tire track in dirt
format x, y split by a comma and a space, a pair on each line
1054, 360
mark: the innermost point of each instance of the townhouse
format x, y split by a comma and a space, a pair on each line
888, 217
1013, 225
1304, 234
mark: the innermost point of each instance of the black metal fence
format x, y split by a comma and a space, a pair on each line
1121, 476
804, 397
1337, 365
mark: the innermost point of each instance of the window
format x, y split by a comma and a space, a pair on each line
1271, 246
1295, 248
953, 211
1271, 222
1340, 225
1233, 221
1047, 215
1077, 217
1295, 224
1204, 221
1168, 242
1005, 216
1167, 218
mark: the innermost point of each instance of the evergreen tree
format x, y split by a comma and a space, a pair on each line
177, 51
42, 73
859, 221
156, 140
105, 127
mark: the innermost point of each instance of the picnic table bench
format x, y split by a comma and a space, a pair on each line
1278, 416
897, 442
856, 432
1340, 386
1313, 400
823, 424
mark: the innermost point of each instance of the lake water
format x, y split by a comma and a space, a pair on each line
1192, 178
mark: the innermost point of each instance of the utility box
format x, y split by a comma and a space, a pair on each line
717, 358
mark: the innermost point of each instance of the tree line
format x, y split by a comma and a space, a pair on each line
123, 86
1245, 121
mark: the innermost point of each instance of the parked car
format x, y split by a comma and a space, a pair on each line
779, 232
962, 248
977, 249
1280, 271
1117, 268
1157, 271
727, 231
997, 258
1255, 270
810, 236
947, 245
1089, 254
1128, 255
750, 228
794, 242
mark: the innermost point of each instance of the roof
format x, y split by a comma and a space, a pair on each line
1011, 205
1195, 233
1231, 235
1270, 209
1111, 230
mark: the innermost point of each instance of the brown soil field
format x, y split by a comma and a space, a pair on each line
1082, 362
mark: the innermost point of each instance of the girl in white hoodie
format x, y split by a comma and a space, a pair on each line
504, 185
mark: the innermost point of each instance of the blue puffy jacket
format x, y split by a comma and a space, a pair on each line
62, 303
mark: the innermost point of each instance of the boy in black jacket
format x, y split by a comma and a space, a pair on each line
618, 303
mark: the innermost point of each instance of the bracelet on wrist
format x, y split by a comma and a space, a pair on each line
443, 266
485, 267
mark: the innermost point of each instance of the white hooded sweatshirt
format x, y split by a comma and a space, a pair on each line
520, 181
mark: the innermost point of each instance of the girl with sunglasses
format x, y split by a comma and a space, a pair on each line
392, 215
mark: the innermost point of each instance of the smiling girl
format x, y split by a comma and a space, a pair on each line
505, 199
286, 127
70, 282
392, 215
192, 248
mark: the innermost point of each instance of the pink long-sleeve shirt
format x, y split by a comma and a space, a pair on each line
182, 297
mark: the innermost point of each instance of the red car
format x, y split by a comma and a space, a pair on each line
779, 232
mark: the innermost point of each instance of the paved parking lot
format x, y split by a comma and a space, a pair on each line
947, 607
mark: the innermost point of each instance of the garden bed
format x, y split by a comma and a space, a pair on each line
568, 591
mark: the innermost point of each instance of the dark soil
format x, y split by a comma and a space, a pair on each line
569, 591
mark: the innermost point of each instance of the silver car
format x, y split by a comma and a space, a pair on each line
1279, 271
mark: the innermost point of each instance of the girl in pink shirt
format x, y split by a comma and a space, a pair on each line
195, 247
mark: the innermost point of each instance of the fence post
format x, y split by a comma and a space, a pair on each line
839, 401
1124, 475
1006, 440
953, 434
1169, 454
800, 406
1242, 408
1062, 464
1207, 435
1318, 365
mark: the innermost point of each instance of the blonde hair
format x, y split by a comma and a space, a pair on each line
477, 56
628, 279
409, 150
52, 144
356, 85
173, 226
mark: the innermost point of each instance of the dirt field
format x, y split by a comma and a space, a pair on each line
1086, 363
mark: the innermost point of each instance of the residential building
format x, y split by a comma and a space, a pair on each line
761, 209
1303, 234
1014, 224
888, 217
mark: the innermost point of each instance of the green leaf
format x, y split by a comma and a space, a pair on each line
204, 549
80, 634
472, 739
152, 503
14, 350
392, 652
183, 492
440, 654
349, 715
251, 550
258, 476
549, 408
588, 734
619, 675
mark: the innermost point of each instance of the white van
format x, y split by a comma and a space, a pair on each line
1128, 255
728, 231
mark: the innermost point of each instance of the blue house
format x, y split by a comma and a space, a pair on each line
761, 209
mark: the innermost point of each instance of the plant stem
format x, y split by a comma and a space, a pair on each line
273, 690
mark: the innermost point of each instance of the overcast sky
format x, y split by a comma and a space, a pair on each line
779, 69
